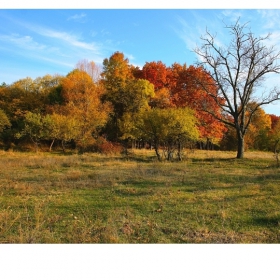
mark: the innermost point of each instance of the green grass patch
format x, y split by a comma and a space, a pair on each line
209, 197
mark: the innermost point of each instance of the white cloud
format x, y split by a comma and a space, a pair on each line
78, 17
25, 42
55, 48
72, 40
192, 30
104, 32
61, 37
273, 40
186, 33
270, 18
129, 56
231, 15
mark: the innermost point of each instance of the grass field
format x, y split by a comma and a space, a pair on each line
210, 197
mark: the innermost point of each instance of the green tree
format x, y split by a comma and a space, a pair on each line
4, 121
167, 128
63, 128
26, 95
36, 127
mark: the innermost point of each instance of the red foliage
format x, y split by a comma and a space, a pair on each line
155, 73
193, 88
274, 120
106, 147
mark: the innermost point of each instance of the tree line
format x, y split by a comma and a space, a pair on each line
167, 108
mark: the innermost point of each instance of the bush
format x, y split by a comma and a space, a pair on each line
103, 146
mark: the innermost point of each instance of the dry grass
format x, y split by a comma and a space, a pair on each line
210, 197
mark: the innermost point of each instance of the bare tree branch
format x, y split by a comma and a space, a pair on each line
239, 70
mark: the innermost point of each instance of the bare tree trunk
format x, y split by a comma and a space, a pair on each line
63, 147
157, 151
35, 143
125, 148
240, 147
276, 152
179, 151
51, 145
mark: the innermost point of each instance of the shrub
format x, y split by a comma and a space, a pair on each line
106, 147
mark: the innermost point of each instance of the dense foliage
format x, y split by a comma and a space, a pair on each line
96, 108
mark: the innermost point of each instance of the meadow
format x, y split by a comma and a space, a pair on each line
209, 197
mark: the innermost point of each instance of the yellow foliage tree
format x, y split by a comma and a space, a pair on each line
82, 96
257, 136
168, 128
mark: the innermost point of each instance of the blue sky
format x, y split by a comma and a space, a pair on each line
35, 42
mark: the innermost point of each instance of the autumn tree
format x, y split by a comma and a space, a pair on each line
155, 73
158, 74
239, 70
257, 136
274, 120
32, 95
83, 102
116, 72
39, 127
22, 96
28, 95
275, 137
190, 88
127, 94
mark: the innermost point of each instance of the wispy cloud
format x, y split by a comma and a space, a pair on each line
56, 48
78, 17
129, 56
270, 18
70, 39
104, 32
192, 31
274, 40
186, 33
24, 42
231, 15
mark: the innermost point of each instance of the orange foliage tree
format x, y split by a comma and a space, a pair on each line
189, 89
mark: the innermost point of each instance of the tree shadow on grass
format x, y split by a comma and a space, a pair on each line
214, 159
134, 192
265, 221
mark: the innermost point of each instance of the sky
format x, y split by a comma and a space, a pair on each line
36, 41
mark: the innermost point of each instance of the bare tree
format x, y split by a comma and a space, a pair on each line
90, 67
239, 70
